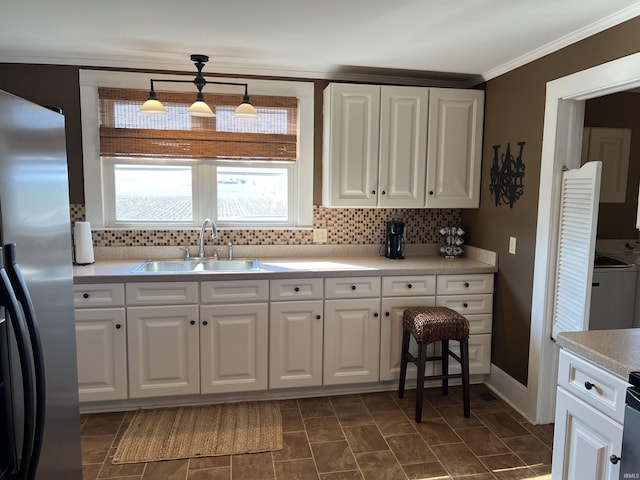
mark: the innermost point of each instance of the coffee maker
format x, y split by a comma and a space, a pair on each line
395, 240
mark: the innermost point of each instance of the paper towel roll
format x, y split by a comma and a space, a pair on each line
83, 243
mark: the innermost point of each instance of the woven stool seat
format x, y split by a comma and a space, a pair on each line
428, 325
433, 324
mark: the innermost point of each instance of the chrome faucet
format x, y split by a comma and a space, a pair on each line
214, 235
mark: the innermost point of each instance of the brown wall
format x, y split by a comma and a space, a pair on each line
621, 110
514, 112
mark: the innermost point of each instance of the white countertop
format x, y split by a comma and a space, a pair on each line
617, 351
289, 267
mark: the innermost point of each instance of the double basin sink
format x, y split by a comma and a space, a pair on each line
199, 265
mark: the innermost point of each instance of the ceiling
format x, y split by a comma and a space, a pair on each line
469, 39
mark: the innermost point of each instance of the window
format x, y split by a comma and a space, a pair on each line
145, 171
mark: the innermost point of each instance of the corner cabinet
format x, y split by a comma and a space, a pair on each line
454, 151
401, 147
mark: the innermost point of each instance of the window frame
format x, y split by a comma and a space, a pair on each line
96, 183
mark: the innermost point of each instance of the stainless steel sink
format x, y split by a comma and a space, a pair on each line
193, 266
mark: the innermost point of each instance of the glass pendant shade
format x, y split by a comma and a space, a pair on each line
200, 109
246, 110
153, 106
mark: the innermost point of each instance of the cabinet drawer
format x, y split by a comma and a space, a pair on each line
606, 392
462, 284
479, 355
352, 287
301, 288
162, 293
481, 323
406, 286
234, 291
467, 304
98, 295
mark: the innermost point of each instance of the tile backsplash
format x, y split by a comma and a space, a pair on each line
350, 226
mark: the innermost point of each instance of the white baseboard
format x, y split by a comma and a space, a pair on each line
511, 391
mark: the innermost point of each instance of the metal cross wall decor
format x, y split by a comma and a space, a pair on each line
507, 178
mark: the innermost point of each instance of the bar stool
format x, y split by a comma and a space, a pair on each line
428, 325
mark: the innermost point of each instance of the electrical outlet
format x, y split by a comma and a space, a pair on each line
512, 245
320, 235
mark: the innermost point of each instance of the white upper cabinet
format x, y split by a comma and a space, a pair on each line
454, 151
611, 146
374, 146
386, 146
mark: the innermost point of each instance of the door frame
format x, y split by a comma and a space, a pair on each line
561, 147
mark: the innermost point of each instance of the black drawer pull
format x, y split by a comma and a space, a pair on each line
318, 317
353, 287
383, 192
465, 304
297, 289
376, 314
409, 286
386, 314
205, 323
588, 385
192, 322
373, 192
118, 326
85, 295
614, 459
466, 284
430, 192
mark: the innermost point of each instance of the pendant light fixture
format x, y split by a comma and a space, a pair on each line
199, 108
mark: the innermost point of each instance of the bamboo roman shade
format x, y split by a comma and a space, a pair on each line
126, 133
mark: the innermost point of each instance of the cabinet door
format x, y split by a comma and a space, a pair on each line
391, 336
295, 344
454, 150
583, 441
351, 341
101, 341
351, 145
234, 347
403, 146
163, 350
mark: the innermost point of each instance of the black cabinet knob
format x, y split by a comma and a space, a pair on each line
409, 286
465, 305
318, 317
85, 295
430, 192
376, 314
373, 192
192, 322
614, 459
466, 284
118, 326
205, 323
296, 289
588, 385
353, 287
383, 192
386, 314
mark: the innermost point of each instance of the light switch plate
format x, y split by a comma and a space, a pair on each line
512, 245
320, 235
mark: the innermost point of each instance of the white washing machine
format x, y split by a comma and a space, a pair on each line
613, 294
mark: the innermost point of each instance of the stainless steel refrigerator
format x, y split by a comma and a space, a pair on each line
39, 413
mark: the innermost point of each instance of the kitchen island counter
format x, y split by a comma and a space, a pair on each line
617, 351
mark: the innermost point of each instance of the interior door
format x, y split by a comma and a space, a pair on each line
576, 247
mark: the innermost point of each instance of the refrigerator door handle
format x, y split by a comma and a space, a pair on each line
9, 301
24, 298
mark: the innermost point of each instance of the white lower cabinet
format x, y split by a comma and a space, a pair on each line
101, 340
588, 421
234, 347
163, 350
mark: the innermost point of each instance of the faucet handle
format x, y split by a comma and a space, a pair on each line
186, 252
215, 254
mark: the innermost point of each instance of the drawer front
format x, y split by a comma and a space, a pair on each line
234, 291
98, 295
480, 323
597, 387
467, 304
296, 289
479, 355
352, 287
162, 293
407, 286
463, 284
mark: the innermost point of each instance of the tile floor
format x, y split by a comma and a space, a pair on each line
367, 436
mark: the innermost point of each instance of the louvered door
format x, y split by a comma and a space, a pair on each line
576, 245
